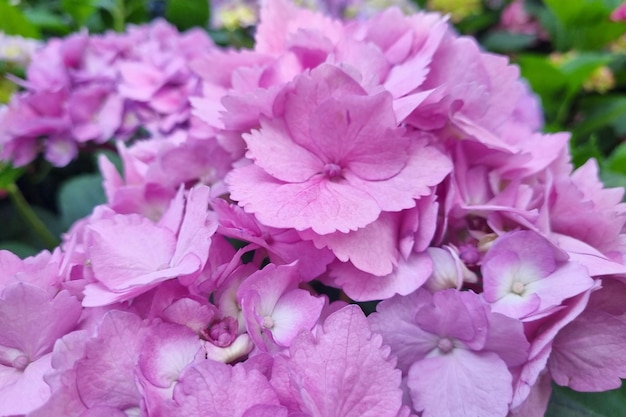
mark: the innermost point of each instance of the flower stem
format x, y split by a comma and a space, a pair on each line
28, 214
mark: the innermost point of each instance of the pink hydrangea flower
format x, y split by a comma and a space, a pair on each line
352, 160
342, 370
524, 276
453, 338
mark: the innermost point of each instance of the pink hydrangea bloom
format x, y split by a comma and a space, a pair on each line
212, 388
523, 276
452, 337
151, 253
274, 309
352, 160
342, 370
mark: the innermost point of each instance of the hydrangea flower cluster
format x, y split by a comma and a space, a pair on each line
388, 158
92, 88
16, 49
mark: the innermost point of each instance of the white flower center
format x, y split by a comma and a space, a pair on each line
518, 288
268, 322
332, 170
445, 345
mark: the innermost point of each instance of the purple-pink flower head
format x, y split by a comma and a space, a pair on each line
525, 277
333, 159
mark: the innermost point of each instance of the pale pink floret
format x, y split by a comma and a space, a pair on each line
587, 354
211, 388
335, 160
453, 338
31, 320
343, 370
525, 277
149, 253
275, 310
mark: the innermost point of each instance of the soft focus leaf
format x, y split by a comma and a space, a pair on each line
616, 162
579, 68
567, 403
78, 196
600, 112
186, 14
584, 151
545, 79
584, 24
47, 21
8, 175
13, 21
22, 250
80, 10
501, 41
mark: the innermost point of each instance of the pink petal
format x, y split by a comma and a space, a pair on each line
461, 384
296, 310
277, 154
31, 322
318, 204
24, 391
167, 350
588, 353
211, 388
344, 371
395, 321
127, 248
405, 278
106, 376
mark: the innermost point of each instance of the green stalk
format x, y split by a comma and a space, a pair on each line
29, 216
119, 16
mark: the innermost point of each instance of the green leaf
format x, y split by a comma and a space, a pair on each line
616, 162
78, 196
186, 14
48, 21
80, 10
599, 112
546, 80
21, 249
584, 151
584, 24
568, 403
581, 66
13, 21
9, 175
502, 41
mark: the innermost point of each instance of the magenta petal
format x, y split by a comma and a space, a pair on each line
295, 311
405, 278
588, 353
126, 248
196, 229
24, 391
106, 376
211, 388
277, 154
266, 411
344, 371
371, 249
461, 384
166, 351
32, 322
318, 204
395, 321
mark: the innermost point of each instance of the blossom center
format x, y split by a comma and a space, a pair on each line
445, 345
221, 332
21, 362
268, 322
332, 170
518, 288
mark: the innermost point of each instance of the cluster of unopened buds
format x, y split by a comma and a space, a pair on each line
385, 159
